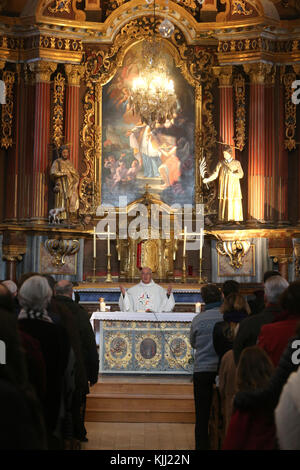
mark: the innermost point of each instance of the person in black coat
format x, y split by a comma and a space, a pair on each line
63, 295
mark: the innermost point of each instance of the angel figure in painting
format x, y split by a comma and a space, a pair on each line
229, 172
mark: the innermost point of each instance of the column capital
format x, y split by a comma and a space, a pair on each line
43, 70
224, 75
74, 74
259, 73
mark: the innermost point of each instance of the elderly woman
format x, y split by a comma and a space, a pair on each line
34, 297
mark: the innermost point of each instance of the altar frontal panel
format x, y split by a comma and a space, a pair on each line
135, 347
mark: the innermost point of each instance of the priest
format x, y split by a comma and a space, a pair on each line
147, 296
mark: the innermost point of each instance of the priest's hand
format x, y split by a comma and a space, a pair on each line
123, 291
169, 291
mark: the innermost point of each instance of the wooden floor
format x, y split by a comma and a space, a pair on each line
139, 436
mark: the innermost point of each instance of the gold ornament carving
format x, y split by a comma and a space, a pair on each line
43, 70
60, 6
240, 7
290, 119
234, 250
178, 351
239, 86
118, 349
297, 260
59, 249
7, 110
74, 74
258, 72
58, 110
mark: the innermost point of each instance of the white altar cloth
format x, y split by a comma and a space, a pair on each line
143, 316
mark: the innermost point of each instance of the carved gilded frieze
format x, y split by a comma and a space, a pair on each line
58, 109
290, 119
7, 110
239, 87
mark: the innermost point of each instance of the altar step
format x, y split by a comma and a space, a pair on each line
141, 403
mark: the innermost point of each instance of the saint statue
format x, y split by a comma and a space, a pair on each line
66, 179
230, 172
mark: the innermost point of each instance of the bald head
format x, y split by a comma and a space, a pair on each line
64, 287
146, 275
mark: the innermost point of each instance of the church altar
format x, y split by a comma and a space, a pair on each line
143, 343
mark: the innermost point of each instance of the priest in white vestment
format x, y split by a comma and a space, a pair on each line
147, 296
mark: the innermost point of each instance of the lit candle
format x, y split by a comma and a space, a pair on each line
198, 307
108, 241
94, 252
184, 241
201, 241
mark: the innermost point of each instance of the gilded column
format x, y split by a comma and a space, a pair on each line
43, 71
74, 74
226, 123
257, 141
10, 140
285, 140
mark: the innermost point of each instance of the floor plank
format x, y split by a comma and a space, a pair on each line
139, 436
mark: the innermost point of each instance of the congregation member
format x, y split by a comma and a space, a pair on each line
250, 327
22, 425
251, 429
63, 295
234, 309
274, 337
34, 297
205, 361
146, 296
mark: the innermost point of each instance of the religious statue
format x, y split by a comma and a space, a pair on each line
66, 179
230, 172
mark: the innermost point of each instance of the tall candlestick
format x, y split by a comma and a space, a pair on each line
94, 245
108, 241
184, 241
201, 242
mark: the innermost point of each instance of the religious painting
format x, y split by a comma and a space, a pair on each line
135, 156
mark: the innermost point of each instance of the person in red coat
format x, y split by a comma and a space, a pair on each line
274, 337
251, 429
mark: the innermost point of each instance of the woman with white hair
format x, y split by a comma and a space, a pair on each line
34, 297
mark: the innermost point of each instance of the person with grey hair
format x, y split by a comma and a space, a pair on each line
12, 286
250, 327
63, 295
34, 297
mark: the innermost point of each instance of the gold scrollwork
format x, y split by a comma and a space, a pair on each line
240, 7
239, 87
7, 110
235, 250
60, 6
290, 112
153, 360
118, 350
58, 110
59, 249
178, 351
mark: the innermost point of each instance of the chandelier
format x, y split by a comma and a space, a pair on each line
152, 94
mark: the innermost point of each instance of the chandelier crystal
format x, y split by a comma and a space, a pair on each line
152, 95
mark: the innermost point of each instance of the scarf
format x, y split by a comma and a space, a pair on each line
30, 314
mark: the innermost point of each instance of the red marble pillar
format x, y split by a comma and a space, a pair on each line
39, 208
270, 174
257, 142
74, 73
226, 122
